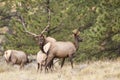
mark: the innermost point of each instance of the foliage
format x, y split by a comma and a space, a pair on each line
101, 38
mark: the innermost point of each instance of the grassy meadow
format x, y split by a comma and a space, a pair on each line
94, 70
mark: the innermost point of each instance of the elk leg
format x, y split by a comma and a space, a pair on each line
48, 62
41, 68
71, 61
51, 66
63, 60
38, 66
22, 65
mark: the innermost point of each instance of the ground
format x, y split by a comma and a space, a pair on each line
92, 70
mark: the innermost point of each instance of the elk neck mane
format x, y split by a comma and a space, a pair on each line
76, 42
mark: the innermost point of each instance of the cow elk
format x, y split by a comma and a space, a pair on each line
61, 49
41, 57
16, 57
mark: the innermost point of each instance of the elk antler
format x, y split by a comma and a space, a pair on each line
24, 26
49, 13
45, 29
33, 34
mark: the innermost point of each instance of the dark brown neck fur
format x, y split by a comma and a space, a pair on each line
76, 42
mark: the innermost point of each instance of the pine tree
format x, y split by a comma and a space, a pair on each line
98, 21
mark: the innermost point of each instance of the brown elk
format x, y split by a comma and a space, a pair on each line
16, 57
40, 38
61, 49
41, 58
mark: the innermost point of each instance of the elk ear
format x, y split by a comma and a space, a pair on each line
76, 32
46, 47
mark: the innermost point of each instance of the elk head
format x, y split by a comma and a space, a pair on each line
41, 41
76, 33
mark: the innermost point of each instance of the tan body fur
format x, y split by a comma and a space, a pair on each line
50, 39
45, 44
16, 57
41, 57
62, 49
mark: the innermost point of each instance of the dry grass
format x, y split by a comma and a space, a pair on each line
99, 70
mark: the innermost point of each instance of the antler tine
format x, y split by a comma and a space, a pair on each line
24, 26
45, 29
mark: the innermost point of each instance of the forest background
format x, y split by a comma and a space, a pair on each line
99, 22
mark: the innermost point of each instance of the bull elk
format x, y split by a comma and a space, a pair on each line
40, 38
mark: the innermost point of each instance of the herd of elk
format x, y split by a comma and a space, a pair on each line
58, 49
51, 49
